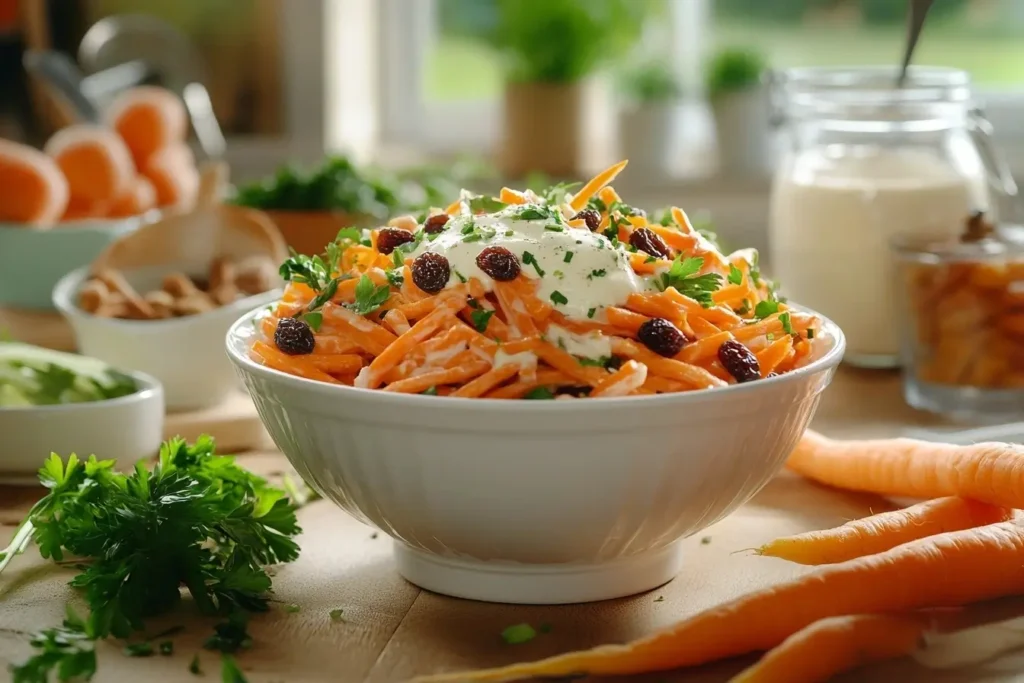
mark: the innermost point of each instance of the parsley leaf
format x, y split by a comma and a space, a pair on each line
395, 278
568, 257
559, 298
556, 194
68, 649
518, 634
369, 297
597, 204
314, 319
599, 272
480, 319
230, 672
735, 275
536, 212
765, 308
591, 312
485, 205
539, 394
787, 323
683, 277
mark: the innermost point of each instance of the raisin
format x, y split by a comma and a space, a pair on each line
294, 337
739, 361
430, 272
389, 238
661, 336
499, 263
435, 223
647, 241
591, 217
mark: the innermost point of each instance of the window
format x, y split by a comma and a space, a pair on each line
443, 83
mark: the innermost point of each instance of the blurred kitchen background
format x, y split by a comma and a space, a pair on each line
404, 82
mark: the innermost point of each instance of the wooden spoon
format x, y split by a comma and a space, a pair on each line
191, 241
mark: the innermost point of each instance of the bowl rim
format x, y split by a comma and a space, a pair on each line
70, 282
148, 387
114, 226
829, 360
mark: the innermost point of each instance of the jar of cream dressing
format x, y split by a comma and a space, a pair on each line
869, 163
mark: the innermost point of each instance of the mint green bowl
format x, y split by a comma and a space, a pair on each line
33, 259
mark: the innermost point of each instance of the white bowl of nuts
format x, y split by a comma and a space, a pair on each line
168, 321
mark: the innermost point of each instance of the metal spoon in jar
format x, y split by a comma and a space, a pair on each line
918, 13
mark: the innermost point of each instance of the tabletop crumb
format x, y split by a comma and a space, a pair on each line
705, 540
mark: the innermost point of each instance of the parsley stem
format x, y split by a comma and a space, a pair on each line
20, 542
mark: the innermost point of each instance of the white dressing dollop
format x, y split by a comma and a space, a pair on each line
580, 272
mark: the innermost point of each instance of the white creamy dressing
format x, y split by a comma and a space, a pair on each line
593, 345
583, 268
525, 360
834, 214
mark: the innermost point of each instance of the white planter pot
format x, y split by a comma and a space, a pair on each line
743, 132
647, 137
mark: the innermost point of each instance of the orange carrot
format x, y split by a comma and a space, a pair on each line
148, 119
95, 161
832, 646
884, 531
988, 472
273, 358
487, 381
623, 381
406, 343
595, 184
338, 364
691, 375
32, 188
543, 378
420, 383
929, 572
770, 358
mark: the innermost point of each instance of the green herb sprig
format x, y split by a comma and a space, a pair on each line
682, 275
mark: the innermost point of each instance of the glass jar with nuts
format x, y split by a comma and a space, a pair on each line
963, 323
110, 295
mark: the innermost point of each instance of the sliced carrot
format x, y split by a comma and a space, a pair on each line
702, 328
622, 382
420, 383
273, 358
396, 321
95, 161
510, 196
691, 375
406, 343
336, 364
487, 381
148, 119
834, 645
543, 378
988, 472
566, 363
703, 348
884, 531
595, 184
519, 321
138, 199
625, 319
924, 573
33, 190
770, 358
174, 176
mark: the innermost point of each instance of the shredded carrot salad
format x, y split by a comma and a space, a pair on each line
561, 294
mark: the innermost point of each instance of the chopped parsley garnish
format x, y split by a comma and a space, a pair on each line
591, 312
568, 257
770, 336
534, 212
597, 204
765, 308
485, 205
559, 298
556, 193
787, 323
336, 614
539, 394
369, 297
810, 333
314, 319
518, 634
611, 362
432, 391
510, 233
395, 278
744, 309
462, 278
480, 319
398, 259
475, 237
530, 260
554, 228
683, 277
598, 272
650, 259
559, 274
735, 275
468, 228
193, 666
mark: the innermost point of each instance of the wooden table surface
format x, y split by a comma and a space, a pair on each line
392, 630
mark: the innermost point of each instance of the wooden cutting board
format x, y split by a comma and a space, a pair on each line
48, 329
234, 425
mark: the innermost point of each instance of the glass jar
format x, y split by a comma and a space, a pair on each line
961, 307
868, 162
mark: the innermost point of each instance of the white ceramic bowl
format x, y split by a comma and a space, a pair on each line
537, 501
186, 354
126, 429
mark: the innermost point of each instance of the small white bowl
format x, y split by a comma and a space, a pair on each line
186, 354
126, 429
541, 502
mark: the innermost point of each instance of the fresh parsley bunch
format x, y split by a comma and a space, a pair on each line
197, 521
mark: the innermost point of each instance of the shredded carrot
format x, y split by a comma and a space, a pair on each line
595, 184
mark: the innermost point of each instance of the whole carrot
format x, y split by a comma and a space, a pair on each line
989, 472
946, 570
881, 532
831, 646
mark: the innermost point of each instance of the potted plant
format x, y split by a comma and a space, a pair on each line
739, 102
647, 120
549, 47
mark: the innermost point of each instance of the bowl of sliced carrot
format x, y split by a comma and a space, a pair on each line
91, 184
536, 395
